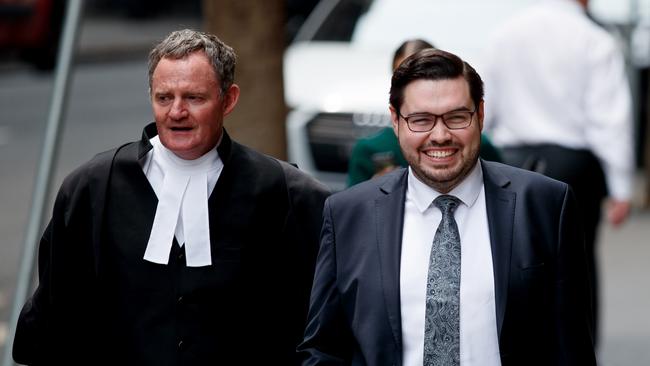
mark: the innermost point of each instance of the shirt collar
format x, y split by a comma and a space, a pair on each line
467, 191
176, 165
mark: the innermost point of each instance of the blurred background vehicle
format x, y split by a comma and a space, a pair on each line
30, 30
337, 73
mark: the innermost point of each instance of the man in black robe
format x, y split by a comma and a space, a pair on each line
183, 248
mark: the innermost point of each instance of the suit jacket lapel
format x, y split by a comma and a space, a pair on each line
389, 208
500, 203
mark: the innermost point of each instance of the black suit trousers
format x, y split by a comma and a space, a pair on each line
582, 171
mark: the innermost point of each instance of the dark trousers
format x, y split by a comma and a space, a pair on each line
582, 171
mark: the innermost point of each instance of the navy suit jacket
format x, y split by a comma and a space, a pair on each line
540, 275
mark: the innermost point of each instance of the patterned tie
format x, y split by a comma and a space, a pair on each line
442, 319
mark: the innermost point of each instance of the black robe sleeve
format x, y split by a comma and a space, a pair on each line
56, 320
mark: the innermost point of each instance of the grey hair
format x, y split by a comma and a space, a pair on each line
181, 43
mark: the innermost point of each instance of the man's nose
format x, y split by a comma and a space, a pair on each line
178, 110
440, 133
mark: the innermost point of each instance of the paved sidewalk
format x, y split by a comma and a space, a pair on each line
624, 258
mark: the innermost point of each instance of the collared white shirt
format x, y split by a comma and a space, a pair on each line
182, 212
553, 76
479, 344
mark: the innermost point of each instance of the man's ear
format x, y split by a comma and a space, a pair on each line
394, 118
230, 98
480, 114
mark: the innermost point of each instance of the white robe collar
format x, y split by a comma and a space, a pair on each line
182, 205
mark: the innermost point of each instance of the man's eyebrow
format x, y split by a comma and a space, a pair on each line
457, 109
460, 109
196, 93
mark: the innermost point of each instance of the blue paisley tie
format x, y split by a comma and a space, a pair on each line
442, 319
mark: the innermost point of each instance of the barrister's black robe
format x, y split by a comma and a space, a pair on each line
100, 303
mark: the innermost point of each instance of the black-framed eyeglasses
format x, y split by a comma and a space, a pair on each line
425, 122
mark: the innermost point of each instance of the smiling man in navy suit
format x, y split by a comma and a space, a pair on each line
454, 260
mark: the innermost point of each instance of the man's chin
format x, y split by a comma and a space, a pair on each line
176, 141
441, 173
438, 178
180, 135
180, 148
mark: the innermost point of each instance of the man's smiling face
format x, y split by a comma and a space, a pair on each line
441, 158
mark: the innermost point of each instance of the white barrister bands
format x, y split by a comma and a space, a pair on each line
182, 187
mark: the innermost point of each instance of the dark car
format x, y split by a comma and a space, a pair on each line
30, 29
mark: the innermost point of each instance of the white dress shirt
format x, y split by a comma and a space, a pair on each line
479, 344
182, 187
553, 76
